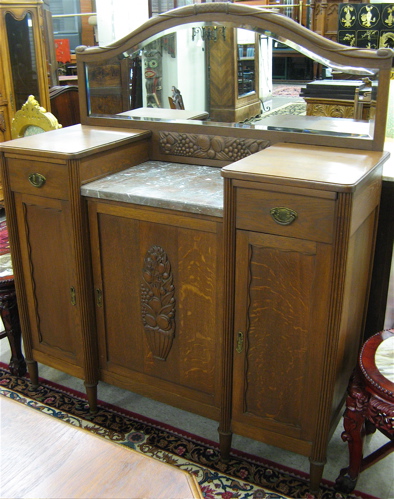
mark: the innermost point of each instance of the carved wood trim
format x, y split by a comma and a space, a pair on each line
208, 146
332, 111
158, 302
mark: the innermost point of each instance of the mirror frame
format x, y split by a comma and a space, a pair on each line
259, 20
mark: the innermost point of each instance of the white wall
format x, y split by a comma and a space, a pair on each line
117, 18
265, 65
191, 71
185, 71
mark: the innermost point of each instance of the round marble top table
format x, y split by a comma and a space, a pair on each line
369, 406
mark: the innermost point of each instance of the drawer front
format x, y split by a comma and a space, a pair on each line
288, 215
38, 178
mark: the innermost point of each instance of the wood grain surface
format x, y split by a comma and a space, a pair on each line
44, 457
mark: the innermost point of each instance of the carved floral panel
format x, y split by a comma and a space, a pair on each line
208, 146
158, 302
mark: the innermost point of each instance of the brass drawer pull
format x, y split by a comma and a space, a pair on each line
283, 216
37, 180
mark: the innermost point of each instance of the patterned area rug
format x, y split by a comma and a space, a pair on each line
243, 477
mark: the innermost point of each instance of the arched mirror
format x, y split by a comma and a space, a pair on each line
220, 58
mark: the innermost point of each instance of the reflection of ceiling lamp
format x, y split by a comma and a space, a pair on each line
208, 33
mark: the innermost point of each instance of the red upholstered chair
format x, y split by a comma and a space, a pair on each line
369, 406
9, 307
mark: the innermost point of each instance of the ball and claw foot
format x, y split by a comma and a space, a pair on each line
344, 483
17, 367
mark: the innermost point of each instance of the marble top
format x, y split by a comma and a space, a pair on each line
175, 186
384, 358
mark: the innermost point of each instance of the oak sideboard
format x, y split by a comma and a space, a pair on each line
220, 268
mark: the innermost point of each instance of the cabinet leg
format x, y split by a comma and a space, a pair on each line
315, 476
32, 367
91, 392
225, 444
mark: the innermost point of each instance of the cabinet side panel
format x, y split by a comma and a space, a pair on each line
47, 257
361, 245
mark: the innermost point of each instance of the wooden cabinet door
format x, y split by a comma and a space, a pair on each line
159, 317
281, 306
44, 227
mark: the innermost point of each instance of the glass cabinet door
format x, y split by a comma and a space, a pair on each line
23, 58
246, 62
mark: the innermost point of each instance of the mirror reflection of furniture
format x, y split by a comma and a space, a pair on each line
32, 119
349, 99
176, 101
65, 104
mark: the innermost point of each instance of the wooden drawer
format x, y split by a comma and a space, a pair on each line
54, 178
313, 216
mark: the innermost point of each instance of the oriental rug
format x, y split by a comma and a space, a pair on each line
243, 477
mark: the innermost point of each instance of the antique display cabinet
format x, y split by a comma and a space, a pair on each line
219, 267
27, 57
233, 59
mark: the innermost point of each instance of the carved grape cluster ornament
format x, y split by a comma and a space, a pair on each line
158, 302
209, 146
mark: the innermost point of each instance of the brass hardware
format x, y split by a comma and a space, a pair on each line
37, 180
283, 216
240, 341
73, 296
99, 297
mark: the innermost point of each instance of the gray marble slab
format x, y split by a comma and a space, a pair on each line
175, 186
